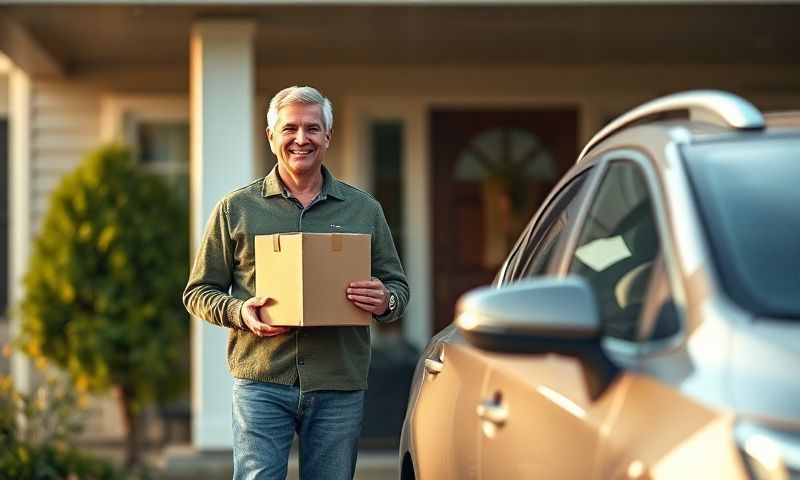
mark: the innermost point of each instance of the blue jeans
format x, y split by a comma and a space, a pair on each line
266, 417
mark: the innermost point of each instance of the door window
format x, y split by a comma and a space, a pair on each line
617, 248
534, 252
387, 165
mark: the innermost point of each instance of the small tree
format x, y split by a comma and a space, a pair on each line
103, 287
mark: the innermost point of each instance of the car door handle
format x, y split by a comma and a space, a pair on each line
432, 366
493, 412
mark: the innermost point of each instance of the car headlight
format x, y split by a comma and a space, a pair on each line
769, 454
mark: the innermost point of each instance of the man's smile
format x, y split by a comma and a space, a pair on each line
298, 151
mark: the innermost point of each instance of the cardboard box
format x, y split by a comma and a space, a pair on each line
307, 275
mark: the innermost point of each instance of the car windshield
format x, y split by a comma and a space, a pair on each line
748, 194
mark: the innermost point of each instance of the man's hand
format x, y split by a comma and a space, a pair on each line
253, 321
369, 295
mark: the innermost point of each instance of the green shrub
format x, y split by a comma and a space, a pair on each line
103, 288
36, 433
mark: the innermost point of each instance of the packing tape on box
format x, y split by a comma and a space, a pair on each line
336, 243
276, 243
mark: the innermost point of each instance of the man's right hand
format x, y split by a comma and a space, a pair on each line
253, 321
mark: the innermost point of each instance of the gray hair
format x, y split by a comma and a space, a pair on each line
305, 95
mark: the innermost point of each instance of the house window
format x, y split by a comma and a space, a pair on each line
162, 148
387, 165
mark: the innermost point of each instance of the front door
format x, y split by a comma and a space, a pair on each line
491, 171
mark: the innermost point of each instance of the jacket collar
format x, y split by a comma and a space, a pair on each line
273, 185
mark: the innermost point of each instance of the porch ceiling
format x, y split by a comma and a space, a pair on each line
83, 37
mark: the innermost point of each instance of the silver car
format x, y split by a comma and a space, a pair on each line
647, 322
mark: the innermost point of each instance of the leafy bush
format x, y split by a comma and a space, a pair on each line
49, 415
36, 432
102, 291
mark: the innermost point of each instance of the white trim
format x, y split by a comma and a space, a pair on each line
113, 109
222, 155
417, 195
211, 425
215, 433
20, 201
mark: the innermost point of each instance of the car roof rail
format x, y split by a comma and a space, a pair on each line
783, 119
715, 106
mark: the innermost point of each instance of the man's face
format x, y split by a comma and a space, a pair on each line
299, 139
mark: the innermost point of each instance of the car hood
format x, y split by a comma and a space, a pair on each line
765, 360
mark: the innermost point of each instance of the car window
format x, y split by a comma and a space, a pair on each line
511, 264
617, 248
747, 194
537, 244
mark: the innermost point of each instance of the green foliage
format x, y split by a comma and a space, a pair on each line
49, 415
41, 450
26, 462
102, 291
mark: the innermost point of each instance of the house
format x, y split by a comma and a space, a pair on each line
459, 116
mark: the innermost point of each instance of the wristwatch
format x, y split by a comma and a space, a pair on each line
392, 301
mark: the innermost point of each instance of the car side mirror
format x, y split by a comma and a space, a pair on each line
531, 316
550, 315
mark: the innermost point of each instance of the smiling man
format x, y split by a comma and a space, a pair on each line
308, 381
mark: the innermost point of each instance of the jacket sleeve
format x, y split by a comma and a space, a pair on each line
206, 295
387, 268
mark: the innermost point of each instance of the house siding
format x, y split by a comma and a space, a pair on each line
64, 126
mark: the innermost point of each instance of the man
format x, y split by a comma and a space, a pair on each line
307, 380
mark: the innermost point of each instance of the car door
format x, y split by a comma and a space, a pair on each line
445, 433
655, 430
556, 426
446, 427
533, 411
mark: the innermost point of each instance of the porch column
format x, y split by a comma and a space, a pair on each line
222, 152
20, 201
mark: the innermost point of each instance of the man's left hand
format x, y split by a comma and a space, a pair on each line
369, 295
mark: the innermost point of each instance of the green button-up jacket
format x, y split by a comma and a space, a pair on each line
223, 277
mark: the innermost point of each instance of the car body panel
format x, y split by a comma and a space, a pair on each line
443, 424
656, 432
564, 431
764, 386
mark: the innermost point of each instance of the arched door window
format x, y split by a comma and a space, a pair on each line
511, 164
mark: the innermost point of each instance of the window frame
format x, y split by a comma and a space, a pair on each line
508, 273
622, 350
121, 117
529, 251
161, 169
